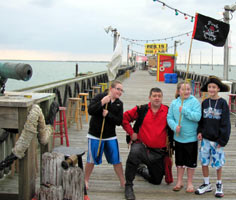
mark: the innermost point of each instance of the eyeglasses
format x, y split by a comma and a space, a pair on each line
120, 90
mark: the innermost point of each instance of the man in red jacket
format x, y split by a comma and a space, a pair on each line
148, 141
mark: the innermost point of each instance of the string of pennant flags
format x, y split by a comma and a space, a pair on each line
135, 41
140, 53
154, 40
177, 11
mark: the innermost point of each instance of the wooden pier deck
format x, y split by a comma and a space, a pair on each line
104, 184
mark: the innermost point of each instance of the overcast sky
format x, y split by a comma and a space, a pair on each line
74, 29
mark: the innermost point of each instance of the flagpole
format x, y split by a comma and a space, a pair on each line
185, 81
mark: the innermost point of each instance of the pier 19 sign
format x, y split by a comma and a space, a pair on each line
155, 48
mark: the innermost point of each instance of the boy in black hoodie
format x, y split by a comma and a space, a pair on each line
213, 131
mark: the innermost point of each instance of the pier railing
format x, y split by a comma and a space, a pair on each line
63, 90
202, 78
71, 87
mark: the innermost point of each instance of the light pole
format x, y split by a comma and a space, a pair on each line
115, 35
228, 9
128, 56
175, 48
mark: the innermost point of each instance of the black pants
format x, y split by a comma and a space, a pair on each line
154, 161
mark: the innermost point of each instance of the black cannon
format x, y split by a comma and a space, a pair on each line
18, 71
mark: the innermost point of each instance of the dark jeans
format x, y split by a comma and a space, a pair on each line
154, 161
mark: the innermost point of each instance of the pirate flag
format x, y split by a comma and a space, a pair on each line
210, 30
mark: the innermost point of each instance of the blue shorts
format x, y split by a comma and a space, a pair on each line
109, 147
209, 152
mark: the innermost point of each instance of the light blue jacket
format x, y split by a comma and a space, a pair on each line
191, 114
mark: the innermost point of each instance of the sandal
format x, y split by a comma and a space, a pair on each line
177, 188
190, 189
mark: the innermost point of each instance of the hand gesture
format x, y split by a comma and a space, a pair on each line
106, 99
104, 113
178, 129
199, 136
134, 137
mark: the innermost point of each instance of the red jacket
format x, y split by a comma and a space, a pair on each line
153, 130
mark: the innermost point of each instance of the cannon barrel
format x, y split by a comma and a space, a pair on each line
18, 71
72, 160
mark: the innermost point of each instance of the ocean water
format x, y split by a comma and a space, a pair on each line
207, 69
50, 71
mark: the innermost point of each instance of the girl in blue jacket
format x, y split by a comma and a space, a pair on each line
185, 133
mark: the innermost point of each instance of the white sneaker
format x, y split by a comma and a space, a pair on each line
203, 189
219, 190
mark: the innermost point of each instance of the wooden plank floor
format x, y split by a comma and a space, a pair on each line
104, 184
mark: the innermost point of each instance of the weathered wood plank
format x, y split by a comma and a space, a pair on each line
9, 117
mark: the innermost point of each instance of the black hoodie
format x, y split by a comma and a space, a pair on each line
113, 119
215, 126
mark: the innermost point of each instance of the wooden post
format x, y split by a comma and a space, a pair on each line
48, 147
2, 157
26, 164
76, 69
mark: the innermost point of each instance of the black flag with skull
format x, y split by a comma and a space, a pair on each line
210, 30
